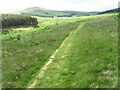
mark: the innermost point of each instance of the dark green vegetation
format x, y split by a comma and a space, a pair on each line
116, 10
88, 58
9, 20
36, 11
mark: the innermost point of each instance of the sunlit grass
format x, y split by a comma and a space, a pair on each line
27, 49
25, 52
88, 58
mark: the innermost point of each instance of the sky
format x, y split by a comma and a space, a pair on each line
75, 5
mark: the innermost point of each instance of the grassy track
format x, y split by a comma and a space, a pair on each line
88, 57
41, 73
23, 58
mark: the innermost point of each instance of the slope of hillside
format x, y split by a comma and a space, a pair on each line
87, 58
86, 53
41, 12
116, 10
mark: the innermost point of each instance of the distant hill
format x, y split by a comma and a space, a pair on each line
41, 12
116, 10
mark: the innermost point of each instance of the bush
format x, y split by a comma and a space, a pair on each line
17, 20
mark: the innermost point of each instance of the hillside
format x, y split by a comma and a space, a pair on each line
41, 12
72, 52
116, 10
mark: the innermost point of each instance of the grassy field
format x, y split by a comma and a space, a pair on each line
87, 59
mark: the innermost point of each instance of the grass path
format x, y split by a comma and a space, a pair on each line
87, 59
43, 57
45, 67
28, 55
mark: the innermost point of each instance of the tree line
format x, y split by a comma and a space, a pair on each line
17, 20
48, 15
117, 10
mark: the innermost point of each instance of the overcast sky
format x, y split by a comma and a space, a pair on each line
76, 5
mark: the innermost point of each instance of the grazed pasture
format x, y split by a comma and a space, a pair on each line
88, 58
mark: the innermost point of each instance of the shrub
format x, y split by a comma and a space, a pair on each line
17, 20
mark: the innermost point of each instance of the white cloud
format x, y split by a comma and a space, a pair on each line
79, 5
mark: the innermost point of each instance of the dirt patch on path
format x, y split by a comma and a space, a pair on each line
46, 65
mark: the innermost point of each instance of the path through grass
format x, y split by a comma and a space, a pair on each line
88, 59
23, 57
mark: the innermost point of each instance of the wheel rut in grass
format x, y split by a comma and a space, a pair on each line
45, 67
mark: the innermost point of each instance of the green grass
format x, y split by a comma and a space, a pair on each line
90, 51
23, 57
88, 58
